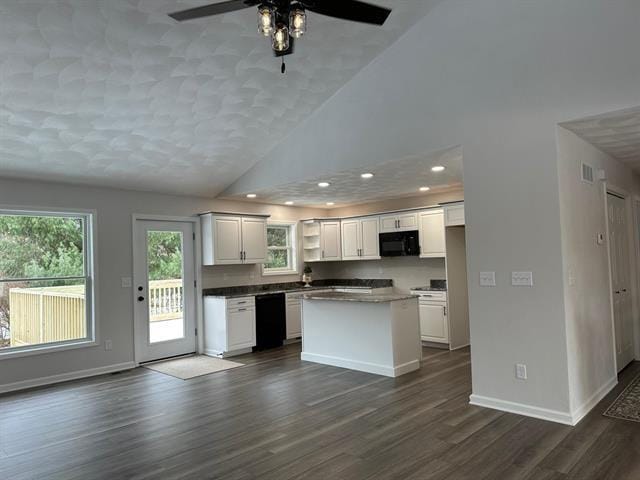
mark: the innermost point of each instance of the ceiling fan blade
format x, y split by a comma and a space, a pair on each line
213, 9
349, 10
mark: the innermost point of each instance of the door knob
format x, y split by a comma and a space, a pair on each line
141, 299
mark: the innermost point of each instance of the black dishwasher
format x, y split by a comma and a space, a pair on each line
271, 322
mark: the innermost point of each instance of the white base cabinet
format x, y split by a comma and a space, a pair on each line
434, 323
294, 317
229, 325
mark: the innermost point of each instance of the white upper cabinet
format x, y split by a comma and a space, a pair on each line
370, 246
360, 239
399, 222
254, 240
330, 241
351, 241
454, 215
432, 239
231, 240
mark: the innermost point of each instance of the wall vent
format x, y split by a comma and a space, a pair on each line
587, 173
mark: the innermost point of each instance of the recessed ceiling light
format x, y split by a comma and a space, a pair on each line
288, 203
437, 168
329, 204
425, 189
324, 184
251, 195
366, 175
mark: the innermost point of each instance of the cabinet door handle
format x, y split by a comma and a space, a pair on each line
242, 309
322, 253
240, 254
445, 311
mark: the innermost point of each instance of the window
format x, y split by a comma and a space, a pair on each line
281, 244
46, 280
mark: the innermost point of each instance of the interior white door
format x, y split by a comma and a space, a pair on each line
620, 279
227, 240
432, 239
254, 240
164, 289
330, 238
351, 239
370, 244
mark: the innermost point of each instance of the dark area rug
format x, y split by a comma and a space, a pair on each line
627, 405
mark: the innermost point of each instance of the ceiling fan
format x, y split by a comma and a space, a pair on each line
286, 20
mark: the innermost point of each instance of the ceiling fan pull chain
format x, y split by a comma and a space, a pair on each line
283, 68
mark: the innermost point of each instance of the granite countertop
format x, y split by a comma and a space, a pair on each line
358, 297
290, 287
428, 289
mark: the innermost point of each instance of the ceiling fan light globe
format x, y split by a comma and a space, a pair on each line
281, 38
265, 21
298, 22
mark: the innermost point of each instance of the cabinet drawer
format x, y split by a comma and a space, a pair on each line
241, 302
433, 297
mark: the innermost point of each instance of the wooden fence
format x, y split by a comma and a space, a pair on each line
54, 314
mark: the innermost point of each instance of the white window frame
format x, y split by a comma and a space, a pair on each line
90, 277
293, 247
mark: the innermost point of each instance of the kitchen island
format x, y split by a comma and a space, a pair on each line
375, 333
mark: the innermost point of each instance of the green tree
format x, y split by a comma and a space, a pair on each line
164, 255
40, 246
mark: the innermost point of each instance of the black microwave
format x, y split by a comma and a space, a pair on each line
399, 244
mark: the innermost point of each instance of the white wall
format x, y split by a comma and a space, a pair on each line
587, 290
495, 76
115, 314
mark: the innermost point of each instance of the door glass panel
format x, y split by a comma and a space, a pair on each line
165, 263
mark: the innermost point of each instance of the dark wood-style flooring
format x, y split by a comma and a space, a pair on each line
280, 418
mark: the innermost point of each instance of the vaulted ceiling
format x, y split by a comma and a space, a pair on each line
391, 179
115, 93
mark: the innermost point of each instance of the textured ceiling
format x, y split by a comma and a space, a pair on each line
392, 179
616, 134
115, 93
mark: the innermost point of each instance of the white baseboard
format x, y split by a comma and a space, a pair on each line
65, 377
234, 353
375, 368
522, 409
580, 412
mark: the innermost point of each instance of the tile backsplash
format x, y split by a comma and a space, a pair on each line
406, 272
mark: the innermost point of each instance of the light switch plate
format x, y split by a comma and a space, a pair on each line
521, 371
522, 279
126, 282
487, 279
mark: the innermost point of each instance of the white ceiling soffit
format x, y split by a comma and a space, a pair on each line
617, 134
392, 179
116, 93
